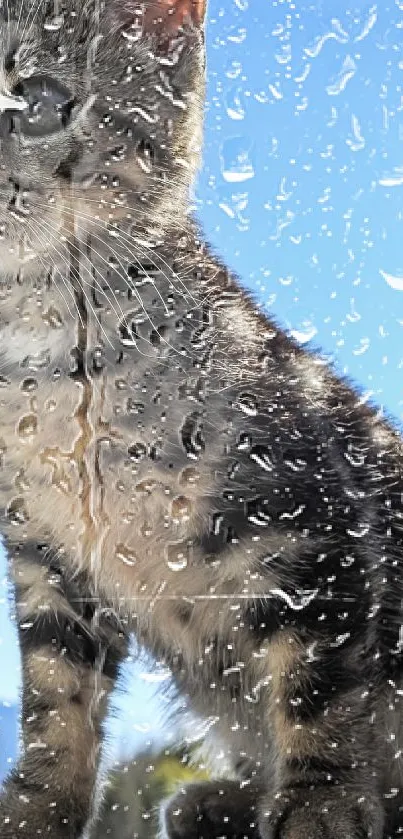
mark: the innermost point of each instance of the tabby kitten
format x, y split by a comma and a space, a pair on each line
172, 464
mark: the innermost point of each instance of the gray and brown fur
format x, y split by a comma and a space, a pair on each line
173, 465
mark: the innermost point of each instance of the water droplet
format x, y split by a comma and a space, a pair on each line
53, 24
237, 34
127, 328
155, 452
217, 521
257, 511
189, 475
125, 554
120, 384
357, 141
261, 456
295, 464
235, 109
98, 362
236, 160
178, 555
137, 451
145, 155
234, 70
181, 508
247, 403
36, 361
340, 639
21, 481
118, 153
146, 487
355, 457
28, 385
134, 407
303, 336
362, 529
244, 442
27, 426
347, 71
146, 529
16, 511
299, 600
393, 280
192, 437
53, 318
294, 514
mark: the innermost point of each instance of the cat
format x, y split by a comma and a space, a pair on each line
173, 464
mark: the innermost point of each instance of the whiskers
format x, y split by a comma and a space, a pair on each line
153, 267
175, 278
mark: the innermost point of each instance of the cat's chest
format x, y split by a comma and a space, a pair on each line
102, 436
118, 441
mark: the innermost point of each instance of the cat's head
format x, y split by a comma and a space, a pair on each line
101, 105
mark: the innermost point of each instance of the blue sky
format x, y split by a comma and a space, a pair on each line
301, 193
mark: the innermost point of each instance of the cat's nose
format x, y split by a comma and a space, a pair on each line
11, 108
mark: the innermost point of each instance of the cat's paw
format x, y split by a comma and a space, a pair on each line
322, 813
216, 810
27, 814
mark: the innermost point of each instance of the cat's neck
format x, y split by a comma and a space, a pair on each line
111, 295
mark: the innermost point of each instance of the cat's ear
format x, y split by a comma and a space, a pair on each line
163, 20
167, 17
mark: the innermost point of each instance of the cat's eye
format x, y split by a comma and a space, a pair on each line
50, 105
145, 154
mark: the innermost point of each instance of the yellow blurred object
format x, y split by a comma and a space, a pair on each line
135, 790
171, 771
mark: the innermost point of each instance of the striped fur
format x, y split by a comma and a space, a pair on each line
173, 465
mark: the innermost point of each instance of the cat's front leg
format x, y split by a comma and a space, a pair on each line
328, 742
70, 655
218, 809
323, 813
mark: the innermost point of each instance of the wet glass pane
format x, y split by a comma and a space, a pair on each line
300, 195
